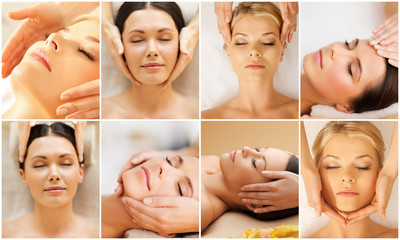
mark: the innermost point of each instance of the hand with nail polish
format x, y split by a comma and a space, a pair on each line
81, 102
165, 215
289, 11
282, 193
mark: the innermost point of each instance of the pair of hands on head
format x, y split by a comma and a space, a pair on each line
188, 38
164, 215
385, 40
24, 129
289, 11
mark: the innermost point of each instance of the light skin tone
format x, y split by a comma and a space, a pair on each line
146, 44
72, 60
337, 74
51, 162
173, 176
349, 168
255, 41
83, 100
222, 178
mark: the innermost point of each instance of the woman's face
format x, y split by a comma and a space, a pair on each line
340, 72
349, 168
151, 43
52, 171
161, 176
242, 167
255, 50
68, 58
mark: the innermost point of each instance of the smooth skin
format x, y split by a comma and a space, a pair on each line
83, 100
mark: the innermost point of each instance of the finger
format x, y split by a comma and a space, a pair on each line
378, 37
257, 201
258, 187
393, 37
393, 47
228, 19
80, 127
284, 32
9, 67
276, 174
256, 195
178, 69
118, 43
83, 90
283, 6
333, 214
135, 160
121, 64
81, 104
388, 54
394, 63
290, 36
22, 13
164, 201
119, 190
141, 209
362, 213
265, 209
89, 114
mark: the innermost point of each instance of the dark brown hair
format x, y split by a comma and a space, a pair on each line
381, 96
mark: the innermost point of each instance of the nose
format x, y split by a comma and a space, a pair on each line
152, 50
250, 152
348, 177
53, 41
338, 51
255, 51
54, 175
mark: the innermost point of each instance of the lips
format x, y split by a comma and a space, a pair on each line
319, 58
255, 66
40, 56
144, 172
152, 66
347, 193
55, 189
232, 155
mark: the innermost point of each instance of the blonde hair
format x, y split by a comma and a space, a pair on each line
362, 129
258, 9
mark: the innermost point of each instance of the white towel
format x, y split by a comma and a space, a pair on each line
324, 111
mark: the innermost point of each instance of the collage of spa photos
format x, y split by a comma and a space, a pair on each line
199, 119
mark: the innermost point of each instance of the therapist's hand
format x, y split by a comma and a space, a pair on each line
83, 101
389, 51
39, 21
24, 129
112, 37
188, 39
80, 127
383, 189
165, 215
289, 11
136, 159
223, 11
278, 195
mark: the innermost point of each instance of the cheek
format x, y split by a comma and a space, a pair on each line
169, 53
134, 54
236, 57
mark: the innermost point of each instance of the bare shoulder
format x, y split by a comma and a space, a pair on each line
385, 232
111, 107
214, 113
291, 108
17, 228
88, 229
192, 107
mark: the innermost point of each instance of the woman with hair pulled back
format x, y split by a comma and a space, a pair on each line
349, 156
52, 171
255, 53
150, 33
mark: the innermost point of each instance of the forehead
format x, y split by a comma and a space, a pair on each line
373, 65
149, 18
51, 144
255, 24
346, 145
277, 159
84, 28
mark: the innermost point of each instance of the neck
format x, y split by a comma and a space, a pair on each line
27, 106
216, 185
256, 95
309, 96
115, 221
151, 99
359, 229
54, 222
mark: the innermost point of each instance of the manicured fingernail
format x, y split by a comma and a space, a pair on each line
61, 111
380, 52
120, 51
373, 41
147, 200
241, 194
377, 46
64, 97
123, 201
383, 42
266, 172
133, 220
384, 216
243, 188
117, 189
227, 20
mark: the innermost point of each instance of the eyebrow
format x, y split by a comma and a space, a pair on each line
158, 31
93, 39
44, 157
364, 156
358, 157
246, 35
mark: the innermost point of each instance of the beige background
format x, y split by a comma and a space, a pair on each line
222, 137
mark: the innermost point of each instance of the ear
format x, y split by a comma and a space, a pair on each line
22, 174
344, 108
81, 173
282, 54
